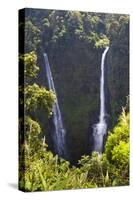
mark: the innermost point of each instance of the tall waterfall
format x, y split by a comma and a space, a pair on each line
59, 132
100, 129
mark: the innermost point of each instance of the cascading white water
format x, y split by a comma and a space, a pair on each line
59, 133
100, 129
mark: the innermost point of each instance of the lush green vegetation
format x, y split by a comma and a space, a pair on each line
74, 42
44, 171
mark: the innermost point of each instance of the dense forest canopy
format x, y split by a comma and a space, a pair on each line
74, 42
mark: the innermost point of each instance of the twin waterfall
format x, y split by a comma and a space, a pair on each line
59, 131
100, 129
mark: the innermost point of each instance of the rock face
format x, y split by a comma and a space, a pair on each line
118, 80
76, 73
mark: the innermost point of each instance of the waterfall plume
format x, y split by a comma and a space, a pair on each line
59, 130
100, 129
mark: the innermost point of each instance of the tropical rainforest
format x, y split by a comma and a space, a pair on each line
74, 42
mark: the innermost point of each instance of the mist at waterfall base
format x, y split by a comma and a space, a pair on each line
100, 129
59, 130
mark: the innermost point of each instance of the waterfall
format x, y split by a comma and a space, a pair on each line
59, 132
100, 129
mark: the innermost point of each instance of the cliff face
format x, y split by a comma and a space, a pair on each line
118, 80
76, 73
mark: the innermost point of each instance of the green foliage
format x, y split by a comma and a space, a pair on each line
49, 172
102, 42
43, 171
96, 167
36, 97
46, 23
117, 150
120, 154
119, 133
32, 130
29, 61
32, 36
32, 98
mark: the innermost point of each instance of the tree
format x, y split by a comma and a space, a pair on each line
32, 97
32, 36
117, 150
28, 66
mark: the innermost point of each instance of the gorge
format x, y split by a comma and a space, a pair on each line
99, 129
